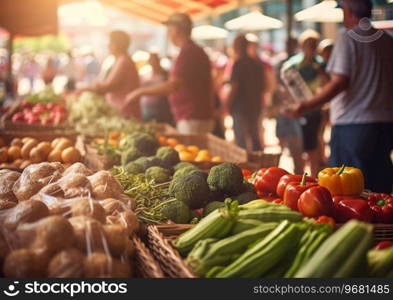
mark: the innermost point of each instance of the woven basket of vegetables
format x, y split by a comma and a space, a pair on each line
169, 259
383, 232
146, 265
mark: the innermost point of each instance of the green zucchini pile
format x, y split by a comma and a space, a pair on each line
263, 239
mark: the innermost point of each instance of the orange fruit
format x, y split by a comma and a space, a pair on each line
162, 140
114, 135
3, 154
2, 143
186, 156
217, 159
180, 148
172, 142
193, 149
14, 152
113, 143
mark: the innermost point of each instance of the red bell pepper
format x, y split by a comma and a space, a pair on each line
326, 220
316, 201
382, 207
294, 190
286, 179
266, 180
348, 207
383, 245
246, 173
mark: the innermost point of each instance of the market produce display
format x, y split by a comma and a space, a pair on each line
276, 244
65, 222
22, 152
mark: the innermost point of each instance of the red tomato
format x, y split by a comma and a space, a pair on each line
17, 117
316, 201
39, 108
326, 220
246, 173
293, 192
286, 179
383, 245
267, 180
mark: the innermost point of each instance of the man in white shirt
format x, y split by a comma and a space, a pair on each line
361, 90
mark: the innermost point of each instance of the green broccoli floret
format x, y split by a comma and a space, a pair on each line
185, 171
169, 156
216, 196
133, 168
248, 187
177, 212
226, 178
152, 161
158, 175
129, 155
144, 142
212, 206
182, 165
141, 161
246, 197
192, 189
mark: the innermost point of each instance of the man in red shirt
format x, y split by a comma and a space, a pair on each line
190, 85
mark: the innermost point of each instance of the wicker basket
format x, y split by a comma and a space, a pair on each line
383, 232
146, 265
8, 135
169, 259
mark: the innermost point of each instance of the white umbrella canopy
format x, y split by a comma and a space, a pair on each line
209, 32
254, 21
324, 12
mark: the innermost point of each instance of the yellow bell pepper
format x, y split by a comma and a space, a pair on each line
344, 181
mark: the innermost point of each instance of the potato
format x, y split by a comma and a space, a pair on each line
78, 168
7, 181
54, 155
17, 142
3, 154
117, 238
5, 204
70, 155
63, 144
88, 207
74, 185
104, 185
88, 233
37, 155
45, 147
113, 207
30, 144
24, 263
25, 212
55, 142
127, 219
67, 264
25, 164
4, 247
102, 265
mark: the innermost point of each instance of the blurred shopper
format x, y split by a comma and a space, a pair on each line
121, 79
311, 67
361, 112
190, 84
288, 131
325, 49
69, 71
156, 107
49, 72
31, 70
244, 100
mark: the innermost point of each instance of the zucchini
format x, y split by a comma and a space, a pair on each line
338, 255
270, 214
217, 224
207, 254
264, 255
243, 225
380, 262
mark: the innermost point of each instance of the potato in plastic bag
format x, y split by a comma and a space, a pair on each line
105, 185
68, 263
7, 181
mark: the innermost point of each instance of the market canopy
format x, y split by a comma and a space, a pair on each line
324, 12
158, 11
254, 21
29, 17
208, 32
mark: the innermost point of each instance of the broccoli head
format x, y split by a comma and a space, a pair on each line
133, 168
226, 178
186, 170
141, 161
152, 161
192, 189
248, 187
216, 196
144, 142
177, 211
158, 175
182, 165
130, 154
245, 197
169, 156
